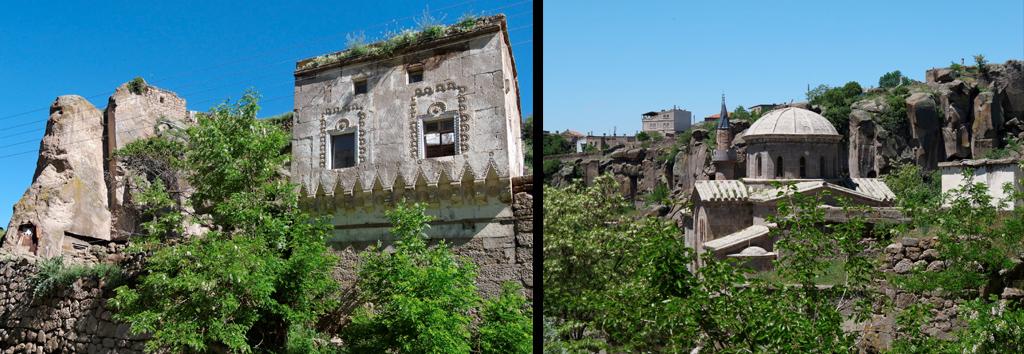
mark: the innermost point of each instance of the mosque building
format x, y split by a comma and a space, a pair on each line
785, 148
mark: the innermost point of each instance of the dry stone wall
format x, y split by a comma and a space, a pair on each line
70, 320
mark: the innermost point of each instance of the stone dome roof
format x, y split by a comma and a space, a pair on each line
791, 121
753, 251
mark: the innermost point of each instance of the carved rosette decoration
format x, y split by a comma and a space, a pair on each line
436, 109
323, 141
362, 135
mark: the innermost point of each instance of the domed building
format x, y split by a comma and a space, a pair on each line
795, 146
792, 143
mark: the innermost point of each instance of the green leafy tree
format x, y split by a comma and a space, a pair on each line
555, 144
980, 252
527, 136
622, 285
740, 113
507, 323
892, 79
835, 103
418, 298
982, 64
260, 277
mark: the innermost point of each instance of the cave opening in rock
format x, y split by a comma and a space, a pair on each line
27, 237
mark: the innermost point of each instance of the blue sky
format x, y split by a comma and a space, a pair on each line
604, 65
206, 51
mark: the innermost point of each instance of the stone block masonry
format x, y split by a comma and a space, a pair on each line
70, 320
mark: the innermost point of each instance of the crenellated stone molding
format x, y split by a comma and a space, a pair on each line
371, 188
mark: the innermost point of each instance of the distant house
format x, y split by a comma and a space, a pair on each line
712, 118
760, 108
667, 122
993, 173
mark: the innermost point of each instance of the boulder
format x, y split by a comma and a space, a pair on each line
863, 144
1008, 79
955, 100
988, 118
689, 166
925, 129
68, 194
939, 75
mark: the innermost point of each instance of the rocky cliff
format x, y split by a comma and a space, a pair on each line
955, 114
968, 113
78, 192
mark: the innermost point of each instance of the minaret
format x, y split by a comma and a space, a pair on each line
724, 157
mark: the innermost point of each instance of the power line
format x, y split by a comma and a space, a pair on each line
290, 82
199, 91
255, 56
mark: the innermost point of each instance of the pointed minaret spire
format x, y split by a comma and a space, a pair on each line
723, 119
724, 157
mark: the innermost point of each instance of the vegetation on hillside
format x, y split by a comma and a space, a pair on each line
621, 284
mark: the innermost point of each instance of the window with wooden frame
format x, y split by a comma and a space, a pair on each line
439, 137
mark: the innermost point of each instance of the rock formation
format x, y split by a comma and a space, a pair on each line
68, 195
78, 191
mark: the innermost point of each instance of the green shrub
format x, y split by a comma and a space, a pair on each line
261, 276
137, 86
507, 323
421, 296
53, 274
466, 22
643, 136
982, 64
835, 103
894, 118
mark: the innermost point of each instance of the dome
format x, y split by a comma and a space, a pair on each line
791, 121
753, 251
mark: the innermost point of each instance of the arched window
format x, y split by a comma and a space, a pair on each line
758, 162
778, 166
821, 167
803, 167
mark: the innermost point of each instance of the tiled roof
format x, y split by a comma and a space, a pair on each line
748, 234
721, 190
874, 187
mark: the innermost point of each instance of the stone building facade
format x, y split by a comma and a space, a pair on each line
667, 121
435, 122
792, 146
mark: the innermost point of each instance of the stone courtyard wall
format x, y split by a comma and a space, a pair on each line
70, 320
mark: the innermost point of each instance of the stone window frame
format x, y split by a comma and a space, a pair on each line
348, 129
462, 123
326, 134
421, 137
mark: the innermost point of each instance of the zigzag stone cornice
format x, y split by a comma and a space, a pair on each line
427, 181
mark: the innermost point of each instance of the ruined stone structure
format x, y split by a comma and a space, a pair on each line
77, 192
791, 145
435, 122
994, 174
667, 121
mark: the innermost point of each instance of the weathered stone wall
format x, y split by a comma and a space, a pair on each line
499, 258
70, 320
522, 207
